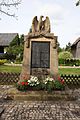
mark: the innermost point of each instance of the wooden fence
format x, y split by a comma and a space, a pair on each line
10, 78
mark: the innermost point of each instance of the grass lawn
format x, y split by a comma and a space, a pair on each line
74, 71
4, 68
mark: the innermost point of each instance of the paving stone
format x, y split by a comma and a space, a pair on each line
1, 110
39, 110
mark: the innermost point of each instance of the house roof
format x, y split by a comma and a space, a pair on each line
6, 38
77, 40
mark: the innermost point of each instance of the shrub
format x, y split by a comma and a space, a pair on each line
2, 56
2, 62
10, 56
59, 84
69, 62
65, 55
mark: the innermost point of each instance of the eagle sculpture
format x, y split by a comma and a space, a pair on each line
39, 26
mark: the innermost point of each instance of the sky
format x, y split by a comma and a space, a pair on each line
64, 18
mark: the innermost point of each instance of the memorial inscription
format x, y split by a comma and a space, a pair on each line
40, 55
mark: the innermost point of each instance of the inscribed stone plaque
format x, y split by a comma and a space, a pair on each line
40, 55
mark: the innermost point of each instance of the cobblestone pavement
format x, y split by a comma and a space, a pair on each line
39, 110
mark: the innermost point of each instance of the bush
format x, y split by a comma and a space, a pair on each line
8, 56
65, 55
2, 62
59, 83
11, 57
2, 56
69, 62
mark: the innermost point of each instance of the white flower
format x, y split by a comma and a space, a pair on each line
45, 82
33, 81
48, 79
28, 81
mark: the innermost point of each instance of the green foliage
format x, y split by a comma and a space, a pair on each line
2, 56
21, 39
10, 56
69, 62
49, 84
59, 49
22, 85
2, 62
65, 55
15, 41
68, 47
61, 62
16, 48
58, 85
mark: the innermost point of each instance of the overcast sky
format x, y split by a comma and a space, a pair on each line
64, 17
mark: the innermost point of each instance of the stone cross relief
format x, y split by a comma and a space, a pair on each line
41, 25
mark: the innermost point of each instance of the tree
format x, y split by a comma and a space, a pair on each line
59, 49
65, 55
16, 47
15, 41
78, 3
68, 47
7, 5
22, 39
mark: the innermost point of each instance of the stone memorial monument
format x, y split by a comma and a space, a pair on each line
40, 50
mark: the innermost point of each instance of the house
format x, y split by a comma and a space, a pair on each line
5, 39
75, 48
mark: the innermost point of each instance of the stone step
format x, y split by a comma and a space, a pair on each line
41, 96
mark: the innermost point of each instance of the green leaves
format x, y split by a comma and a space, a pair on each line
16, 47
58, 85
65, 55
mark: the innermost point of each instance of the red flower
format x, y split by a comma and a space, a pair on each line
23, 83
26, 83
59, 78
62, 81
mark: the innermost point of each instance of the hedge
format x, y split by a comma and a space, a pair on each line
69, 62
7, 56
2, 62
